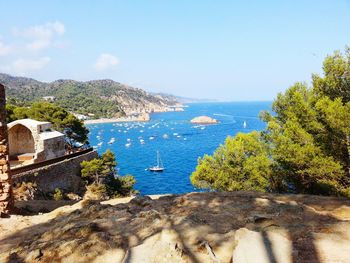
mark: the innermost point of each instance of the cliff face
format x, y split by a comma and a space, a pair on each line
99, 98
197, 227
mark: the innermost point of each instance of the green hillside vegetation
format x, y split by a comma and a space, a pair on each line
61, 119
102, 179
98, 97
305, 147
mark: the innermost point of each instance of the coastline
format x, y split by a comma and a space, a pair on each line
142, 117
122, 119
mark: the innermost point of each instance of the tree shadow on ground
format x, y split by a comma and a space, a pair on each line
201, 227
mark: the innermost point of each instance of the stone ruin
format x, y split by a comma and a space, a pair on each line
6, 198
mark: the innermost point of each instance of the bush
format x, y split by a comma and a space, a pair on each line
58, 195
96, 191
102, 179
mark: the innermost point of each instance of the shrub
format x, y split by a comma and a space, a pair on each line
58, 195
102, 179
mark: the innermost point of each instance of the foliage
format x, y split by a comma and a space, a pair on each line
61, 119
58, 195
101, 172
305, 147
93, 170
96, 191
242, 163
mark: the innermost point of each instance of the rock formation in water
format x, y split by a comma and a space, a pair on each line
204, 120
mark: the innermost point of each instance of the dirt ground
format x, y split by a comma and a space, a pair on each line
196, 227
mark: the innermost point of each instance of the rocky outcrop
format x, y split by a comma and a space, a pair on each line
204, 120
196, 227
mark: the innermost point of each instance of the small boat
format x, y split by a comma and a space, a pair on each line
244, 124
127, 145
111, 141
159, 167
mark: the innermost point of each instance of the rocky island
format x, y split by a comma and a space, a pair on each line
204, 120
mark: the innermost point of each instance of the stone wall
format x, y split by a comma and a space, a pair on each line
64, 175
6, 200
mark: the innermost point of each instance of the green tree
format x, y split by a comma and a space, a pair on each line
307, 140
242, 163
335, 82
101, 172
93, 170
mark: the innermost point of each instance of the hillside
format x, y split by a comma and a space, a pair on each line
197, 227
103, 98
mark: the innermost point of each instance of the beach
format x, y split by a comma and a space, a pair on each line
140, 118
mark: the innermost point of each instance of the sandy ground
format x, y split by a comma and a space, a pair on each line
196, 227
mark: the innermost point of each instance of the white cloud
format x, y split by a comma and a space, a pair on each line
38, 44
106, 61
42, 36
4, 49
23, 66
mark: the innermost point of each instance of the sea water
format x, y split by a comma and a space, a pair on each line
179, 142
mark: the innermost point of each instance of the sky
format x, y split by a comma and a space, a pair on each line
225, 50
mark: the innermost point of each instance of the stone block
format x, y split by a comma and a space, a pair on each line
4, 176
4, 197
3, 148
4, 168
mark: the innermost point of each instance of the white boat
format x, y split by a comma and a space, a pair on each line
100, 144
244, 124
159, 167
127, 145
111, 141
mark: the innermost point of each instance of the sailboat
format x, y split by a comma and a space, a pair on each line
159, 167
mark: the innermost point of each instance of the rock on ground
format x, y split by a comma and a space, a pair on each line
196, 227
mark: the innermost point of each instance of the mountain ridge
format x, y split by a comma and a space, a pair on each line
104, 98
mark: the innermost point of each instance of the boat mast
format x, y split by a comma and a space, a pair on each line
157, 158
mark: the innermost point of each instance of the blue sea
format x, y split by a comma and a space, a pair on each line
179, 142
